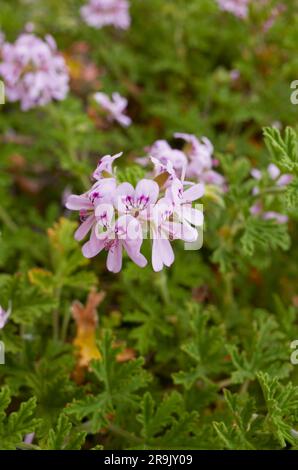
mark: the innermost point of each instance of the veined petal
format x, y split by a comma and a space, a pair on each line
167, 252
93, 246
157, 262
193, 216
114, 259
104, 214
84, 228
77, 203
147, 190
124, 194
194, 192
133, 250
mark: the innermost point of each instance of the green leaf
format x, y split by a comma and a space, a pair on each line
119, 384
16, 425
238, 434
284, 150
265, 349
262, 234
205, 350
282, 405
162, 423
62, 437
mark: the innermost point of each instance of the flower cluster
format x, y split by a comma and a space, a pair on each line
99, 13
195, 161
276, 183
114, 107
33, 71
236, 7
119, 217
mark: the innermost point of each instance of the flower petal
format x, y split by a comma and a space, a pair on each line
84, 228
194, 192
147, 189
78, 203
93, 246
114, 259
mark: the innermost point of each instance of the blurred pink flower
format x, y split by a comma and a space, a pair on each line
29, 438
200, 162
34, 72
105, 165
257, 209
235, 75
236, 7
4, 316
274, 14
164, 153
195, 160
115, 107
278, 180
99, 13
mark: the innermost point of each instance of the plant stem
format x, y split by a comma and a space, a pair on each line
125, 434
7, 220
56, 316
244, 387
65, 325
162, 284
224, 383
229, 291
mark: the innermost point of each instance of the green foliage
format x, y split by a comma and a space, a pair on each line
264, 234
118, 384
240, 433
62, 437
205, 350
168, 425
281, 403
284, 150
17, 424
265, 350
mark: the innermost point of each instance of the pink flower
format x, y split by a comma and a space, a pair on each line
194, 161
33, 72
164, 228
86, 204
278, 180
236, 7
200, 162
235, 75
274, 14
29, 438
105, 165
164, 153
280, 218
120, 216
183, 212
274, 174
4, 316
115, 107
257, 209
136, 201
99, 13
114, 237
